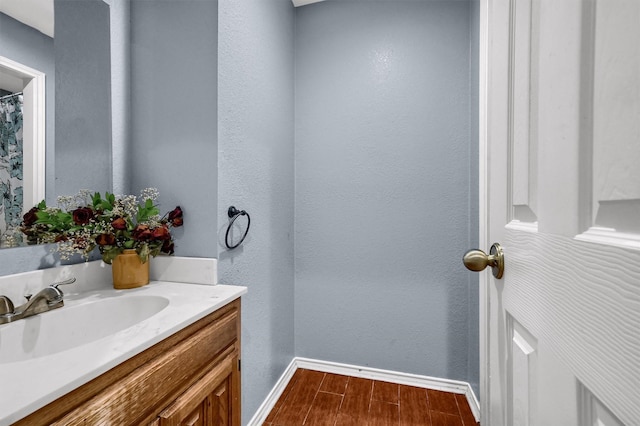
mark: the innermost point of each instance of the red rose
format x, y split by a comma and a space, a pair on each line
175, 217
105, 239
30, 217
119, 223
167, 247
175, 213
142, 233
82, 216
161, 233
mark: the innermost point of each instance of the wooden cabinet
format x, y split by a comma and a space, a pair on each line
207, 402
191, 378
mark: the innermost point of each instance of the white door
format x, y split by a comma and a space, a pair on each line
560, 191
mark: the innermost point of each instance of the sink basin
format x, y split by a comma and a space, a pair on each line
72, 326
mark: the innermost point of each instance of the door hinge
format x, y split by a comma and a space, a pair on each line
239, 364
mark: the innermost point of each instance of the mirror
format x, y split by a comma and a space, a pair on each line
58, 113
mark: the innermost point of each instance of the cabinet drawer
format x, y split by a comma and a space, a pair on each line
147, 389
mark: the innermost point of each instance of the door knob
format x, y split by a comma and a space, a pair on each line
477, 260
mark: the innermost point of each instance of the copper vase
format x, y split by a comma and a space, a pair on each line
128, 270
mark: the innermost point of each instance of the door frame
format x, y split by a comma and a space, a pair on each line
34, 131
483, 212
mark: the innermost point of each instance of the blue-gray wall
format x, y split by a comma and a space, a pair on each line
174, 113
383, 183
83, 96
255, 172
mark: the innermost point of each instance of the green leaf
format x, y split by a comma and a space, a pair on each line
42, 216
96, 200
109, 254
110, 198
64, 217
143, 253
155, 251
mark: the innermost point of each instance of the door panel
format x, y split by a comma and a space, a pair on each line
221, 399
523, 140
562, 338
616, 113
523, 372
583, 303
594, 412
616, 124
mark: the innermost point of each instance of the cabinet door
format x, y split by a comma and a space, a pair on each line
220, 403
208, 402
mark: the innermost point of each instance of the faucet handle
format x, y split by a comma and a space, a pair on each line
65, 282
6, 305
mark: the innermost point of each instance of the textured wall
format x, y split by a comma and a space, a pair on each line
383, 185
255, 172
83, 96
174, 113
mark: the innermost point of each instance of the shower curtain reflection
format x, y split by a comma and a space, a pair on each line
11, 175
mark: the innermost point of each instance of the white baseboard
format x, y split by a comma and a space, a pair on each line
265, 408
416, 380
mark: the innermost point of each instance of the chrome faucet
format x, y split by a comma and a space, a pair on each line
48, 298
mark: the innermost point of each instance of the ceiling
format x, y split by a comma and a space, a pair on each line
37, 14
297, 3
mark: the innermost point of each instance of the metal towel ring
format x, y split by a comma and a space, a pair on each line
233, 214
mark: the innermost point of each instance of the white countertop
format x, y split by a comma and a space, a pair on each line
27, 385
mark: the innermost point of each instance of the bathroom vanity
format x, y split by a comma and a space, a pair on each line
191, 378
172, 358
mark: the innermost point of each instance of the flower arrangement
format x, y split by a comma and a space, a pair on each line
85, 221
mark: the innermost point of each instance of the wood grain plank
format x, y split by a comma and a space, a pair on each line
385, 391
355, 405
304, 403
444, 419
283, 398
383, 414
334, 383
414, 408
300, 399
324, 409
443, 402
466, 414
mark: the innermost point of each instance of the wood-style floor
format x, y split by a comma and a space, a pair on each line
315, 398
